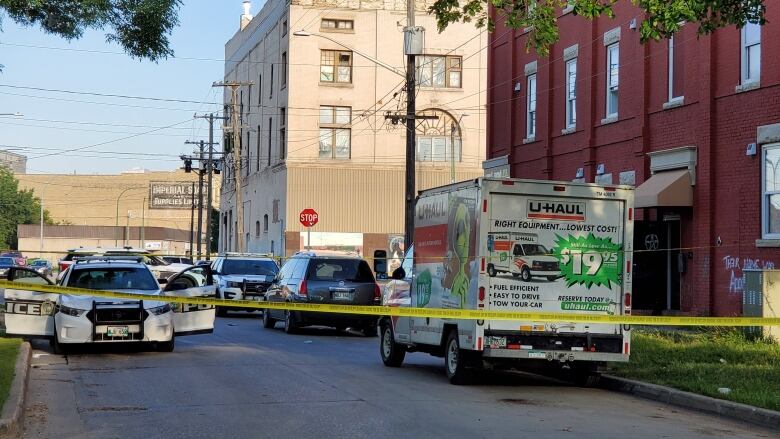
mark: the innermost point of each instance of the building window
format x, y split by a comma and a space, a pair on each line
270, 124
335, 66
331, 24
335, 132
613, 75
257, 228
771, 191
571, 93
282, 133
284, 27
265, 223
271, 85
284, 69
259, 136
751, 53
438, 140
439, 71
530, 112
247, 159
676, 69
259, 90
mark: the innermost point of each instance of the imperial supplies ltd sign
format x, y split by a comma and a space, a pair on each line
167, 195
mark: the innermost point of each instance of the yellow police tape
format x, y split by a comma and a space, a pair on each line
397, 311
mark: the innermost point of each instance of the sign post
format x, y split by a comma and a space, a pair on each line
308, 218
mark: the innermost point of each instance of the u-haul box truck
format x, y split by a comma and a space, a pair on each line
521, 246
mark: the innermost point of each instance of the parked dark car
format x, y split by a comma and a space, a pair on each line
6, 262
324, 277
19, 259
42, 266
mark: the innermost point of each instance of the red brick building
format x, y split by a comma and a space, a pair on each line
693, 122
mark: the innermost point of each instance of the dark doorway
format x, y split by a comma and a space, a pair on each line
656, 265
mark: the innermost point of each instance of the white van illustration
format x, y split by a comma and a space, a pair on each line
522, 255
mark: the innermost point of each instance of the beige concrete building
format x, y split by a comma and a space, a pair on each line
135, 201
17, 163
314, 132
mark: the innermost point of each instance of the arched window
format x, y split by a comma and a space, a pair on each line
438, 140
265, 223
257, 228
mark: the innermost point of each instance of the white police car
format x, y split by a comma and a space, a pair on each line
243, 276
69, 319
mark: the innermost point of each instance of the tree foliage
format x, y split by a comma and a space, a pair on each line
662, 17
16, 207
141, 27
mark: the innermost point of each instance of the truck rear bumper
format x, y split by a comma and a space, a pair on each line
552, 355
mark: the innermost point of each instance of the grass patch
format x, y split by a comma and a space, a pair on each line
703, 362
9, 348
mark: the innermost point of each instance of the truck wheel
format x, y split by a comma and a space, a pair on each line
289, 322
525, 274
268, 322
392, 353
455, 360
491, 270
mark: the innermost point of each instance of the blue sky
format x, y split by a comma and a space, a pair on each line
51, 124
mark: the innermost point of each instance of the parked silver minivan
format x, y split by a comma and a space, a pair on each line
324, 277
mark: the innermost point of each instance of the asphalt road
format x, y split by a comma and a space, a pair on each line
246, 382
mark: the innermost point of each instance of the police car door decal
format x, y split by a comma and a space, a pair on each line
27, 312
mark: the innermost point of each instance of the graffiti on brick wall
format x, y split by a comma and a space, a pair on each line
735, 266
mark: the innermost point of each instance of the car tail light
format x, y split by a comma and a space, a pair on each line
63, 267
377, 292
303, 290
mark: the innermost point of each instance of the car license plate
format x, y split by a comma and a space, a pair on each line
495, 342
117, 331
342, 295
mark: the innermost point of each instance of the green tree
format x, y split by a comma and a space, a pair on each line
141, 27
662, 17
17, 207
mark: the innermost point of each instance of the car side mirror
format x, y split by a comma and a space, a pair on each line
399, 273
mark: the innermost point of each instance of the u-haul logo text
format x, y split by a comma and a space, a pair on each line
556, 210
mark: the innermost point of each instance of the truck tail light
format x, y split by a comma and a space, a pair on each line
304, 289
377, 293
481, 294
627, 300
483, 265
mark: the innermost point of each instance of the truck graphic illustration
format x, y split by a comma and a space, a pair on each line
522, 255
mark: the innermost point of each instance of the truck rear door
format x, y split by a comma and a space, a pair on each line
571, 259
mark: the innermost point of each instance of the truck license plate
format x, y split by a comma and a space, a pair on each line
117, 331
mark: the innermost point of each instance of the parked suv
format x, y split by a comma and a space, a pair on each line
243, 276
324, 277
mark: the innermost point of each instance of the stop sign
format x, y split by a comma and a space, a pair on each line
309, 217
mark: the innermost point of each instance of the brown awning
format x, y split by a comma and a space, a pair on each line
669, 188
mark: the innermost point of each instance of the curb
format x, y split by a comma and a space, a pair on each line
12, 411
728, 409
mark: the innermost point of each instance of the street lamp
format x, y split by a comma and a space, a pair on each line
303, 33
116, 227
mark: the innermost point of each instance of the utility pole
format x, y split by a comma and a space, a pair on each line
192, 218
199, 237
410, 128
210, 170
236, 131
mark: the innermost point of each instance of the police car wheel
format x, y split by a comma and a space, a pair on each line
166, 346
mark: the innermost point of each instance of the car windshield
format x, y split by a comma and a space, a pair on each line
71, 256
113, 278
354, 270
6, 261
535, 250
250, 266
